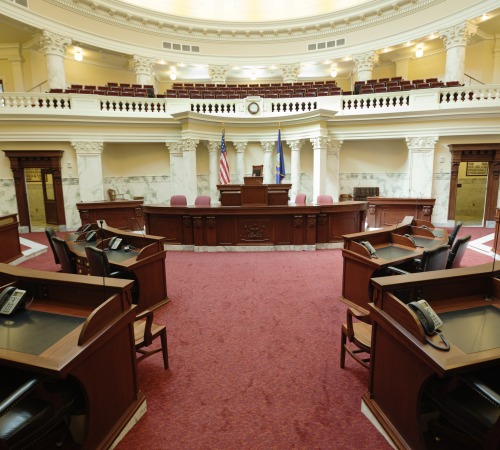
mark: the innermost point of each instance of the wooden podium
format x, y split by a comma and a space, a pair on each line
253, 193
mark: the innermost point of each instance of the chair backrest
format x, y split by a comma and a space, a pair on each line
435, 259
66, 259
324, 199
50, 232
457, 252
98, 261
202, 200
300, 198
178, 200
453, 235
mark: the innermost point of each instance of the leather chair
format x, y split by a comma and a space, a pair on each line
202, 200
453, 235
356, 338
324, 199
178, 200
457, 252
34, 413
50, 232
435, 259
300, 199
66, 258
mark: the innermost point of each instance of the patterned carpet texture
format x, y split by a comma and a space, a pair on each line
254, 342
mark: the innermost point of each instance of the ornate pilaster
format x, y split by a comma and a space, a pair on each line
421, 165
333, 168
218, 74
190, 182
143, 68
54, 47
213, 167
295, 147
269, 169
89, 162
176, 168
363, 65
290, 72
240, 160
320, 147
455, 40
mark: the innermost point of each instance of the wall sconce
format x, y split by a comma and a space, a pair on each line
333, 73
420, 52
78, 54
173, 76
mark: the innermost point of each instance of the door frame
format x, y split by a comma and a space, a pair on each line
476, 153
36, 159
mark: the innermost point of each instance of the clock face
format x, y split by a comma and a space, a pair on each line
253, 108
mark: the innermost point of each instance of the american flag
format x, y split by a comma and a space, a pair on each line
224, 166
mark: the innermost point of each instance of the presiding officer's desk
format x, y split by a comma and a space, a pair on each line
146, 259
402, 363
75, 328
392, 248
291, 225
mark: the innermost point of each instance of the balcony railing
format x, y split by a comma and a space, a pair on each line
483, 96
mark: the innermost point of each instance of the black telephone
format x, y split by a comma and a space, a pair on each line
11, 299
87, 227
430, 322
370, 248
91, 236
114, 243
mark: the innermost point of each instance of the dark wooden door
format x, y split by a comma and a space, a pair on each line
49, 196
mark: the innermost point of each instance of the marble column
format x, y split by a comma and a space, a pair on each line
143, 69
320, 147
176, 168
421, 165
455, 40
269, 167
218, 74
55, 47
364, 65
89, 161
295, 147
240, 160
290, 72
333, 168
189, 169
213, 167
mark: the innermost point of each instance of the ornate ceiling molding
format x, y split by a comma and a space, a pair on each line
172, 27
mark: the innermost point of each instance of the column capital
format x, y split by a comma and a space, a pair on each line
365, 61
240, 146
290, 72
422, 143
268, 146
174, 148
53, 43
320, 142
189, 145
334, 146
295, 145
88, 148
458, 35
141, 65
218, 74
213, 146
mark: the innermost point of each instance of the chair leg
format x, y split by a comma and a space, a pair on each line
343, 343
164, 348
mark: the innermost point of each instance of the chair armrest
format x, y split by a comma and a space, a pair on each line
18, 394
396, 271
483, 388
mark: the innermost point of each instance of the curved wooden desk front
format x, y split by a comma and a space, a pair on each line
392, 249
146, 259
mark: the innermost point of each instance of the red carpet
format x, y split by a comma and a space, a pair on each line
254, 355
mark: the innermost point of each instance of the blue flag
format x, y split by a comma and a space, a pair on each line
280, 161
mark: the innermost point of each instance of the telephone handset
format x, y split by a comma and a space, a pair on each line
91, 236
369, 247
410, 237
86, 227
430, 322
114, 243
12, 298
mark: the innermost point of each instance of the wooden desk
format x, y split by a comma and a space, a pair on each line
392, 249
385, 211
253, 225
98, 351
254, 194
402, 363
123, 214
9, 238
146, 260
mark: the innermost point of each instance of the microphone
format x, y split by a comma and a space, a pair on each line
103, 263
